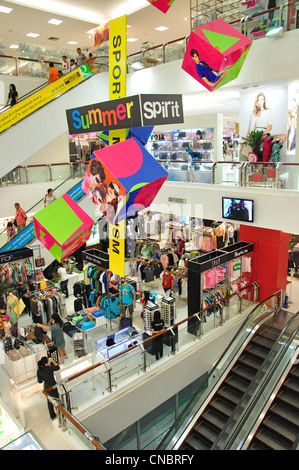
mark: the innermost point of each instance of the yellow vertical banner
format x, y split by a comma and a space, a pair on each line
117, 89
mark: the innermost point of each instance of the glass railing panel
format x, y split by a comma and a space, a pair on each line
37, 174
200, 172
272, 175
78, 440
174, 50
227, 173
177, 171
28, 68
16, 176
153, 57
135, 62
8, 66
60, 172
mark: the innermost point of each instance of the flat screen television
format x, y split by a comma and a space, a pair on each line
237, 209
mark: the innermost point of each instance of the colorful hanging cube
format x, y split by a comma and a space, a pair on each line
140, 133
62, 227
215, 54
122, 179
162, 5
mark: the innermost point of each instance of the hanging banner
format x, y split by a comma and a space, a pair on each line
101, 34
117, 89
44, 96
125, 112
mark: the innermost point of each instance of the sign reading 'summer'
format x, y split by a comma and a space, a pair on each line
128, 112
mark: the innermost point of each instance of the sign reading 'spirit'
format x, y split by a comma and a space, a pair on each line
128, 112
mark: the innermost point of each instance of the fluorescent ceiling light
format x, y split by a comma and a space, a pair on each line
56, 22
132, 39
5, 9
32, 35
161, 28
73, 42
91, 31
13, 46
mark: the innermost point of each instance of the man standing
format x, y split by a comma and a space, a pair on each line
65, 65
80, 57
63, 279
20, 218
127, 297
53, 73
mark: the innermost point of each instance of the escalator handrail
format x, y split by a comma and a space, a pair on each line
262, 379
29, 93
52, 101
242, 327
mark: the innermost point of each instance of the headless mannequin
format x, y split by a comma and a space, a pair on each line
12, 307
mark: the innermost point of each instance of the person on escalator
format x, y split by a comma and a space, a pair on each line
12, 95
53, 73
20, 218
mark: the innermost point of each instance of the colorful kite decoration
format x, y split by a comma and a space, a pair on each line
215, 54
162, 5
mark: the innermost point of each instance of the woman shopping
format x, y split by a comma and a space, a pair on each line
56, 328
45, 374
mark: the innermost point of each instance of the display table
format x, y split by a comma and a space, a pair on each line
118, 342
28, 441
25, 368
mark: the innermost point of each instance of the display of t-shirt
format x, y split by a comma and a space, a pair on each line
127, 294
62, 273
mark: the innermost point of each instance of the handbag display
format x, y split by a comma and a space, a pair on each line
40, 262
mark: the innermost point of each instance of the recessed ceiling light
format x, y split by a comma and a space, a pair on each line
13, 46
5, 9
32, 35
56, 22
161, 28
73, 42
132, 39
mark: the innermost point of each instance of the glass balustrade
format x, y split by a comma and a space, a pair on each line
106, 371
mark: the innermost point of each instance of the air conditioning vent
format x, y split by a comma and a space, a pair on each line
53, 39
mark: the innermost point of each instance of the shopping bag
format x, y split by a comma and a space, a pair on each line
19, 311
40, 262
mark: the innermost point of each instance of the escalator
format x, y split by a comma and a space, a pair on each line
228, 396
279, 429
72, 187
33, 129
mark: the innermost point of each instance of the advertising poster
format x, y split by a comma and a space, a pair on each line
27, 106
115, 192
293, 101
264, 108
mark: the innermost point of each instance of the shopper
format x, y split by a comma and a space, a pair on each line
144, 300
7, 326
63, 279
65, 65
12, 95
80, 57
10, 230
45, 373
57, 334
167, 281
20, 218
158, 325
49, 197
60, 74
53, 73
72, 65
127, 297
90, 61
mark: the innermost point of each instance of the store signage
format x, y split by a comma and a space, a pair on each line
118, 89
16, 255
125, 112
97, 257
44, 96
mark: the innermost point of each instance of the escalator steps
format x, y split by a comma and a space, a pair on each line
289, 400
244, 373
263, 342
230, 396
222, 407
194, 443
270, 441
214, 420
257, 352
285, 414
206, 433
250, 362
236, 384
285, 433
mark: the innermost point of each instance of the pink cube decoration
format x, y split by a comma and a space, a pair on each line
215, 54
123, 179
62, 227
162, 5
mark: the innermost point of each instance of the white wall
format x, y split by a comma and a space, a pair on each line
23, 85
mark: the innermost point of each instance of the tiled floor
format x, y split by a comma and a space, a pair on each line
37, 417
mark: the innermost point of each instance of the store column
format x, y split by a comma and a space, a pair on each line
270, 258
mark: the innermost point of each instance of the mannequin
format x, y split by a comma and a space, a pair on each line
12, 307
127, 297
275, 154
267, 147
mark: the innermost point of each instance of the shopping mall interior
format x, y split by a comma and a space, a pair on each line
149, 242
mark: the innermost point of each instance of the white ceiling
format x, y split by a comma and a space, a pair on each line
143, 18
